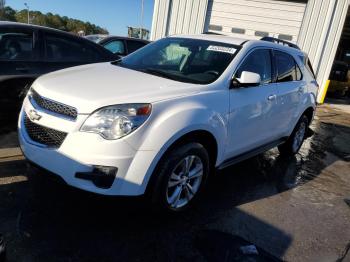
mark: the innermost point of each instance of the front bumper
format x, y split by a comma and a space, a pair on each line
80, 153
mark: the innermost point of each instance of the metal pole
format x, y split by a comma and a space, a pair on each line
141, 19
26, 5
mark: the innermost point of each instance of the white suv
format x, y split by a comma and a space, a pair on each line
160, 120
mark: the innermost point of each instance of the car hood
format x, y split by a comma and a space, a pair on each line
93, 86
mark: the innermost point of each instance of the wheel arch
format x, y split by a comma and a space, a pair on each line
309, 112
204, 137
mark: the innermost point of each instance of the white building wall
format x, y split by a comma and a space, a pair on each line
160, 19
253, 18
178, 17
320, 34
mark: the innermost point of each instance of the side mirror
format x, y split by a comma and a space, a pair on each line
247, 79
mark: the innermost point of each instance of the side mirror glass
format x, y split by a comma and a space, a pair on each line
247, 79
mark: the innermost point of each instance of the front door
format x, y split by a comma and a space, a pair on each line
252, 108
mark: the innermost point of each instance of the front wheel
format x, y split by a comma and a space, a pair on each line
296, 139
180, 177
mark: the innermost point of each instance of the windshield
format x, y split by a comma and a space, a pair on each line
181, 59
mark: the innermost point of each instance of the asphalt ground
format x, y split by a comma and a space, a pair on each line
292, 209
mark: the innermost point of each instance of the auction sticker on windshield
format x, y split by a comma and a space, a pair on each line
222, 49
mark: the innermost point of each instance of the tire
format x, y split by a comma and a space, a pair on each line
296, 139
177, 185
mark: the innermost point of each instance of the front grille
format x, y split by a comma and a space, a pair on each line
53, 106
44, 135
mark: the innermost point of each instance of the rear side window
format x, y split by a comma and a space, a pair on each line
259, 61
287, 68
309, 67
134, 45
16, 45
62, 49
116, 47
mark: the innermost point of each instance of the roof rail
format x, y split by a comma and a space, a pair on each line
279, 41
211, 33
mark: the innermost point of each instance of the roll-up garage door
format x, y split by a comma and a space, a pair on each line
254, 19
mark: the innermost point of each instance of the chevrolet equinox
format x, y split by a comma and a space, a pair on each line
161, 120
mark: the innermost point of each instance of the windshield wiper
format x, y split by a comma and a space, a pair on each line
116, 62
158, 73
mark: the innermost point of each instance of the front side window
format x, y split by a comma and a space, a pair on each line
287, 68
134, 45
182, 59
61, 49
115, 46
16, 45
259, 62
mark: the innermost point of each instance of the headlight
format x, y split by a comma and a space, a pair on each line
114, 122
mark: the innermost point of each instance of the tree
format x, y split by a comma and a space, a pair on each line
50, 20
21, 16
2, 9
8, 14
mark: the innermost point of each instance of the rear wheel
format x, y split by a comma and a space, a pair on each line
295, 141
181, 176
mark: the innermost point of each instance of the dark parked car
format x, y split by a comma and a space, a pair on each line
28, 51
96, 38
339, 85
122, 46
339, 71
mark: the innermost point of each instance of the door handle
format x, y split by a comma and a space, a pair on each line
22, 69
271, 97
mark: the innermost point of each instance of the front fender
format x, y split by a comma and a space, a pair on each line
167, 124
171, 121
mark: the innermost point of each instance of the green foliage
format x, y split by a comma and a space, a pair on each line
7, 14
2, 8
50, 20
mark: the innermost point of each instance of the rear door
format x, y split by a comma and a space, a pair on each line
19, 52
290, 89
61, 51
252, 108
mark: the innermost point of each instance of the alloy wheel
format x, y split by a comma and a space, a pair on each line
185, 181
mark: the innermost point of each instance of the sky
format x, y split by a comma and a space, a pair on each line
114, 15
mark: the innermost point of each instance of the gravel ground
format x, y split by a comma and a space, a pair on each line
291, 208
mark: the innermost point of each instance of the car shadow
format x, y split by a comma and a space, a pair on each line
45, 220
8, 140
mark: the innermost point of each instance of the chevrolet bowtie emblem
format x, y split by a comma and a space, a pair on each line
33, 115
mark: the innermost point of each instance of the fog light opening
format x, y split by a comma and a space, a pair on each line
101, 176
